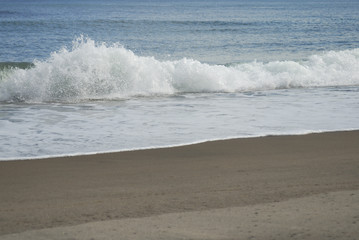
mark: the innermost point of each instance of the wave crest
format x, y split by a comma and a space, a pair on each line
98, 71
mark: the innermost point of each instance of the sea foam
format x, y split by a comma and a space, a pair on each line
93, 70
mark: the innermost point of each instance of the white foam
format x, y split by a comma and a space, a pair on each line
97, 71
30, 131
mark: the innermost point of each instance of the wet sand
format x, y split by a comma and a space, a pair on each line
214, 176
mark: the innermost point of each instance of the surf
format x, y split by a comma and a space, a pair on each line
91, 70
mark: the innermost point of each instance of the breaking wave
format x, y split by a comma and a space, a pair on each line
93, 70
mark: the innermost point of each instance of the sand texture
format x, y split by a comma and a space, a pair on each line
332, 215
239, 182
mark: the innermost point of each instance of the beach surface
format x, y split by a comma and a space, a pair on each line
276, 187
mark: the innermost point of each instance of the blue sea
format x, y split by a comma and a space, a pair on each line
85, 76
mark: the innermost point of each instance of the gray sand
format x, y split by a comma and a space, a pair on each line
139, 188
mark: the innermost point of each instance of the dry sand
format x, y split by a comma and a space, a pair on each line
327, 216
271, 187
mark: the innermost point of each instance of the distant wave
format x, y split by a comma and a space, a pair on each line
179, 22
7, 12
93, 70
12, 65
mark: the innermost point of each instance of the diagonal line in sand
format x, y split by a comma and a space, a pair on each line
332, 215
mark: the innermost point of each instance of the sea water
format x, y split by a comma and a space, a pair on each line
80, 77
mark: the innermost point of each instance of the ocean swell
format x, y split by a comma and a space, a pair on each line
97, 71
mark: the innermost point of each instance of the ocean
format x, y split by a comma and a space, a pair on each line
85, 76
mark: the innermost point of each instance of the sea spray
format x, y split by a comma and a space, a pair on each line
93, 70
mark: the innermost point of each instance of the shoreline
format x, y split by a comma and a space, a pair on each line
168, 146
67, 191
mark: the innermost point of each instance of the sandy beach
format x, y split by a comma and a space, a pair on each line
276, 187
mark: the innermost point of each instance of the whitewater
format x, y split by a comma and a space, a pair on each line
96, 98
97, 71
